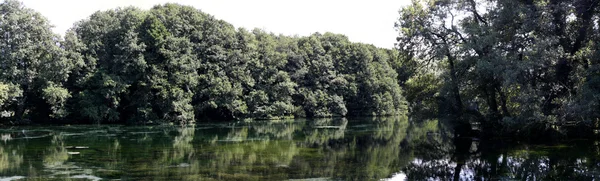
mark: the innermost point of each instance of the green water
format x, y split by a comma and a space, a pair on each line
324, 149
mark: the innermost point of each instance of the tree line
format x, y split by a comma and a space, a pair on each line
174, 63
516, 66
513, 67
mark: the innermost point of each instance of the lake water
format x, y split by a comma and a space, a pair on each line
324, 149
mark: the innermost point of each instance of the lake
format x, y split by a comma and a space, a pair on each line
389, 148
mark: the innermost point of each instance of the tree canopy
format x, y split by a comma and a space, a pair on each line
515, 65
174, 63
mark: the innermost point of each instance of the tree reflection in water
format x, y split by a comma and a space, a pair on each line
481, 160
56, 153
323, 149
10, 158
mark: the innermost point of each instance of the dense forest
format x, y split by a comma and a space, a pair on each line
176, 64
514, 67
524, 67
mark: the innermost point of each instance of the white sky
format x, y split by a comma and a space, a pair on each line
367, 21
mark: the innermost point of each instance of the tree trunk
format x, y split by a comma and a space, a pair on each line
503, 101
455, 89
20, 111
490, 95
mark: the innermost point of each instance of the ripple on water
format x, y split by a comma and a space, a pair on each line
181, 165
243, 140
31, 134
73, 134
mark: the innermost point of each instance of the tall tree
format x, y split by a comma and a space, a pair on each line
32, 64
523, 64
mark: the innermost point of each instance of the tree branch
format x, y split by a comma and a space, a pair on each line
478, 17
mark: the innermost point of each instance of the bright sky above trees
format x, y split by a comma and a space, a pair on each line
362, 21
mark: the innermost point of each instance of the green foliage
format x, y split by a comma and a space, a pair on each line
30, 59
174, 63
57, 98
8, 92
8, 96
100, 101
421, 91
358, 74
517, 65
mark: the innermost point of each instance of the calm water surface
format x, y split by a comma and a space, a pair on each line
324, 149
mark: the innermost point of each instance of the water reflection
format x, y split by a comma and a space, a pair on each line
389, 148
321, 131
10, 159
56, 154
478, 160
